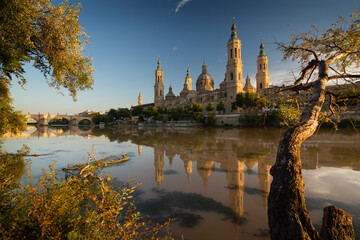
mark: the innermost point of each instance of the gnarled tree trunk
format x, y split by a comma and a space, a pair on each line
287, 214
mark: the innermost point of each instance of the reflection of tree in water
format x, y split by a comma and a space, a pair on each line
183, 206
12, 165
349, 155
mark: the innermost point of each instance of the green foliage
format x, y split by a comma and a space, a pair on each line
285, 115
10, 120
124, 113
341, 38
197, 107
84, 122
348, 98
113, 114
288, 114
178, 113
210, 107
252, 119
220, 107
98, 118
209, 120
137, 111
250, 100
61, 121
84, 206
50, 37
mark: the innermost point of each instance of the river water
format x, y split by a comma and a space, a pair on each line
214, 181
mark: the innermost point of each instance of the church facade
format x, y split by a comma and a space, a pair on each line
205, 91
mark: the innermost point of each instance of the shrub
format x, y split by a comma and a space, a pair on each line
83, 206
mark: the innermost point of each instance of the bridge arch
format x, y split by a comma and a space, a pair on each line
31, 120
44, 119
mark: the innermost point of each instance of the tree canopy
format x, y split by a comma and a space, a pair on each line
249, 100
50, 38
331, 54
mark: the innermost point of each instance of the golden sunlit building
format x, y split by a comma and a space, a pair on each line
205, 91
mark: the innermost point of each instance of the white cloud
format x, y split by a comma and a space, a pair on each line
174, 49
180, 4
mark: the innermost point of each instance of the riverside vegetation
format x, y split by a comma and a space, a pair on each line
255, 111
85, 205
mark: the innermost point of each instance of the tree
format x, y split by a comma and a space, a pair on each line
10, 120
137, 111
197, 107
249, 100
124, 113
51, 39
220, 107
98, 118
333, 54
210, 107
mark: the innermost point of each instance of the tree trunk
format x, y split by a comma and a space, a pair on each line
287, 214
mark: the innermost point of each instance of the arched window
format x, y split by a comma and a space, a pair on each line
260, 66
231, 53
235, 52
264, 66
260, 85
232, 76
161, 92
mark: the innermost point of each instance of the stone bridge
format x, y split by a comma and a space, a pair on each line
44, 119
43, 131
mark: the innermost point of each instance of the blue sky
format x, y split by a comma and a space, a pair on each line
127, 36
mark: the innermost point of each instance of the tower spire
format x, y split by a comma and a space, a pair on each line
262, 49
204, 67
158, 64
233, 30
140, 99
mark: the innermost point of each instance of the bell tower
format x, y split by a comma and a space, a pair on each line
262, 75
234, 83
140, 99
159, 86
187, 84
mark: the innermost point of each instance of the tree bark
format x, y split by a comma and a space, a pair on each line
337, 224
287, 214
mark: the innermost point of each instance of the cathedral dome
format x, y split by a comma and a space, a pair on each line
248, 87
204, 82
170, 95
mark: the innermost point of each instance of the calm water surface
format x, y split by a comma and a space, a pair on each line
214, 181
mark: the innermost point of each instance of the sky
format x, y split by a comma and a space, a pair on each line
127, 36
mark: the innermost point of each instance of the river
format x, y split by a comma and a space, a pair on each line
214, 181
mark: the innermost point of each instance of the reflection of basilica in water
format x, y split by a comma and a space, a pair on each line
230, 162
234, 152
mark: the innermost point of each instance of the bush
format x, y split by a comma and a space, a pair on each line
84, 206
251, 119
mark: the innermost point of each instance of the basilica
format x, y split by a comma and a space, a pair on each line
205, 91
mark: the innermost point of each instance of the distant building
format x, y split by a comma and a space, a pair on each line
89, 113
205, 91
140, 99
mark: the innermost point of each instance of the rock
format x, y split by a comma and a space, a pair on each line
337, 224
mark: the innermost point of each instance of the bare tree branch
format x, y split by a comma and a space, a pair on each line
310, 67
297, 88
340, 97
344, 76
300, 48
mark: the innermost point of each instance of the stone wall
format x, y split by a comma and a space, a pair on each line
227, 119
